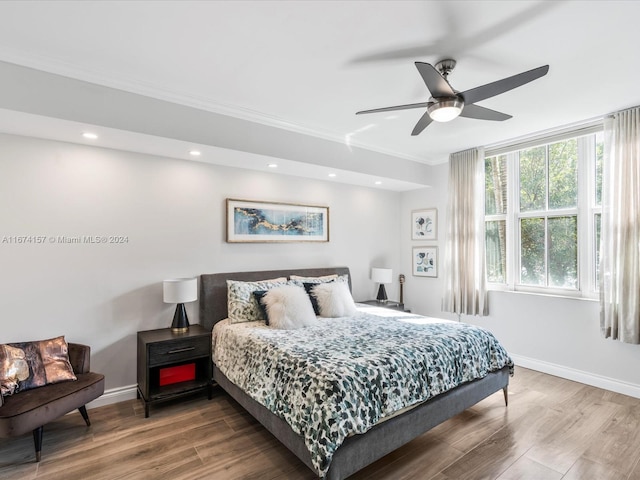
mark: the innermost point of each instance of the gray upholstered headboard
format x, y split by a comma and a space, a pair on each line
213, 288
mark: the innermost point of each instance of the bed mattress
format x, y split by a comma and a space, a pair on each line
345, 375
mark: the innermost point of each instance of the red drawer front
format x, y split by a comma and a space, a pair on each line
180, 373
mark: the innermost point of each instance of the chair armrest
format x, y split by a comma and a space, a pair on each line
79, 357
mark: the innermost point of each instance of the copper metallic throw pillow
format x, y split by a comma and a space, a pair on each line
34, 364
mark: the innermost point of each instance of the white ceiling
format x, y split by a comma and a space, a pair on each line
308, 66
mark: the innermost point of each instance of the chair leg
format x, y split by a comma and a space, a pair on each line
85, 415
506, 396
37, 441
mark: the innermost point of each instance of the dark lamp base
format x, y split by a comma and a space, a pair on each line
382, 294
180, 321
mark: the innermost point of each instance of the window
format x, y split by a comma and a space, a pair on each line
542, 213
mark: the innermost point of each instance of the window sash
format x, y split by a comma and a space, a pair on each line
585, 212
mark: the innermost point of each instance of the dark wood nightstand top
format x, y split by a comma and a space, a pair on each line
388, 304
164, 334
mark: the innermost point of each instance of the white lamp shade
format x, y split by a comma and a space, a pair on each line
180, 290
382, 275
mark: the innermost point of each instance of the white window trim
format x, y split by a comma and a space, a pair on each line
586, 209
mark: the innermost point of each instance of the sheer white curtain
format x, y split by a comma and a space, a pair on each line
620, 228
464, 266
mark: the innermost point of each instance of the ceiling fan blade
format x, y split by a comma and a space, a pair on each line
397, 107
496, 88
482, 113
436, 83
423, 123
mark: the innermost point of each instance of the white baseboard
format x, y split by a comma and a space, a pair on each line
618, 386
114, 395
121, 394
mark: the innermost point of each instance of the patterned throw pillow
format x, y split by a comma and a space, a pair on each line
297, 280
34, 364
325, 278
308, 287
258, 295
241, 303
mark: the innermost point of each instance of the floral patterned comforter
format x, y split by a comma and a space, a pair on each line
346, 374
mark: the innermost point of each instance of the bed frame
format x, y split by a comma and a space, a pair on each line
357, 451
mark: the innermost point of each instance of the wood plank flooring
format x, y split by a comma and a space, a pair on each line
552, 429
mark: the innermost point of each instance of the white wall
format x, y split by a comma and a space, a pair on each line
556, 335
173, 213
422, 294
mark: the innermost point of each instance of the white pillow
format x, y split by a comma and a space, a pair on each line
289, 307
334, 299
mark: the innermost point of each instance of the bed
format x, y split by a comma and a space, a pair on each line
357, 450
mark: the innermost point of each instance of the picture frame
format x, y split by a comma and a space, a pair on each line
250, 221
424, 262
424, 224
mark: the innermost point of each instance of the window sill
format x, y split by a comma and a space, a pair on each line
553, 294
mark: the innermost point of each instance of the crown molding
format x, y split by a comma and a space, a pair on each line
160, 92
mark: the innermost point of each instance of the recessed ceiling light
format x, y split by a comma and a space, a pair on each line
332, 175
273, 165
378, 182
195, 153
89, 135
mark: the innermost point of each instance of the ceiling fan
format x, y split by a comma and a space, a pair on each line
446, 103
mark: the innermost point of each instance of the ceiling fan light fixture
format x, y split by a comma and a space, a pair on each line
445, 110
445, 103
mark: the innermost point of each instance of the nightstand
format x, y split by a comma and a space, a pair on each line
171, 365
388, 304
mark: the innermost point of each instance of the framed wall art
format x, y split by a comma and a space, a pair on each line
425, 261
424, 224
255, 221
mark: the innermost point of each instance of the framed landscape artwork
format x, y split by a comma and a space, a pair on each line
424, 224
252, 221
425, 261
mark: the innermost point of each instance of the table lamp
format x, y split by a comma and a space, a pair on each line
180, 291
381, 276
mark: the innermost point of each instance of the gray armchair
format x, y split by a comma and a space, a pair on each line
32, 409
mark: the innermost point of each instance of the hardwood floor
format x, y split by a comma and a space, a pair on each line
552, 429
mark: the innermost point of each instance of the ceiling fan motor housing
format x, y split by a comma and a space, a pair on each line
445, 66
